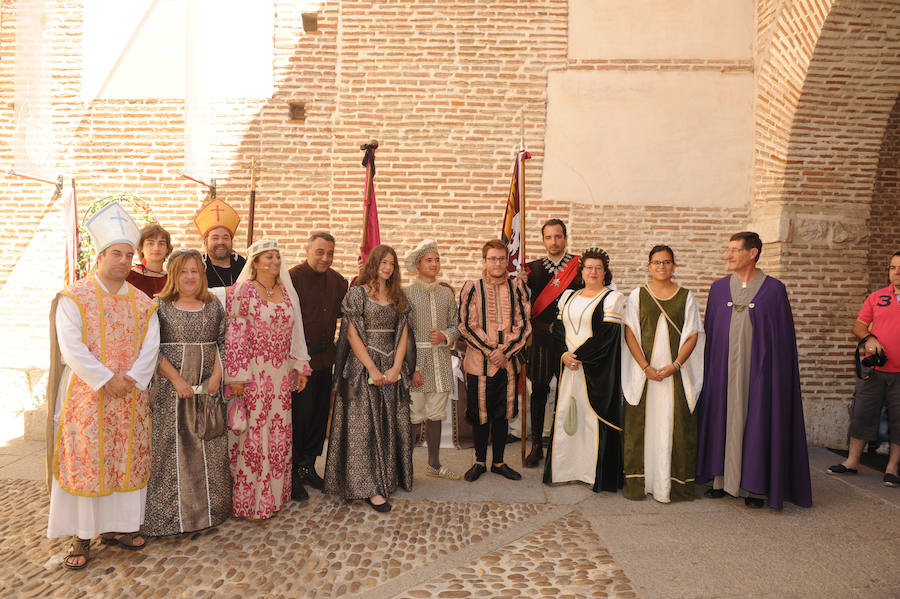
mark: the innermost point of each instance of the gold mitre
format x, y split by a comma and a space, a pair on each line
217, 214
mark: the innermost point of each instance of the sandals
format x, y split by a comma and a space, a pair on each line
125, 540
78, 548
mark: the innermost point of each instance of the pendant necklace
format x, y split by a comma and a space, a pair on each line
218, 276
269, 292
577, 324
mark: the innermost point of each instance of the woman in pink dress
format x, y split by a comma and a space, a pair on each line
265, 358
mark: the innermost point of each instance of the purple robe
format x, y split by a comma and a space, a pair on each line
775, 461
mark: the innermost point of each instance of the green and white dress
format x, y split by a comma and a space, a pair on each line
660, 424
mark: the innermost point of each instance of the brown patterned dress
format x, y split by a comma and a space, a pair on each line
369, 451
190, 484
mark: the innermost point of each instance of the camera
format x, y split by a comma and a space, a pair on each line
879, 358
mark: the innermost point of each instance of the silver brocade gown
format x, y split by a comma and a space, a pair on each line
190, 483
369, 449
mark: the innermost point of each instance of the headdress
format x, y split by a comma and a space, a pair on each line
216, 214
298, 340
111, 225
594, 251
424, 247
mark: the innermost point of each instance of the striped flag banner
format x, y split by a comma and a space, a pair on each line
511, 233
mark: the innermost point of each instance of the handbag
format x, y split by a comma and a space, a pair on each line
237, 415
203, 414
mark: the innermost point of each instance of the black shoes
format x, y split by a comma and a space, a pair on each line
308, 476
506, 471
841, 469
382, 508
534, 458
891, 480
298, 493
714, 493
474, 472
754, 502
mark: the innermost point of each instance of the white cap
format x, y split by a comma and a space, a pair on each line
424, 247
111, 225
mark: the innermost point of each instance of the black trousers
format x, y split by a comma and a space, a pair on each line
543, 365
309, 413
497, 426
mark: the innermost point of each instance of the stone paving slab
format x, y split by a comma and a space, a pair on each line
562, 559
322, 548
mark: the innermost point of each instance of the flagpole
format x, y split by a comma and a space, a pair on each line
520, 158
252, 201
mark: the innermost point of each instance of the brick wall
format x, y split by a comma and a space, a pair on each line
826, 85
884, 222
444, 90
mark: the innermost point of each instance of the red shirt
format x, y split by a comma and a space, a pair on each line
882, 310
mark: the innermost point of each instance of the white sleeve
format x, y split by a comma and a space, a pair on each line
633, 378
692, 369
74, 352
143, 368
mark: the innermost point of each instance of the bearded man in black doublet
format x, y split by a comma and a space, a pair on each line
546, 278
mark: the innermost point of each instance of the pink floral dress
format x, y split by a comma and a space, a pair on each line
257, 353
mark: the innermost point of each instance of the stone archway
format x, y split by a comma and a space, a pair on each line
826, 92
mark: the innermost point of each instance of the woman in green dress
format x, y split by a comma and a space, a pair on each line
661, 381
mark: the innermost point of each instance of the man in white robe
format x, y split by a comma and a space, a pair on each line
104, 346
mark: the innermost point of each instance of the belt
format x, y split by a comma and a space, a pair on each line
540, 326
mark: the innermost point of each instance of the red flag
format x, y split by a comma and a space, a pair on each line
371, 232
511, 233
70, 224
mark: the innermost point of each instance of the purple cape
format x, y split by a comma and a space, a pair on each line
775, 461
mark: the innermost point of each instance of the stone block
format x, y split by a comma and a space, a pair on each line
827, 422
35, 424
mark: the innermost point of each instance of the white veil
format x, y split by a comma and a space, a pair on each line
298, 340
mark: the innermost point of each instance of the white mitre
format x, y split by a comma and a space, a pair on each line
111, 225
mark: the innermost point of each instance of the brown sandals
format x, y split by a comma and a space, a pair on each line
125, 540
78, 548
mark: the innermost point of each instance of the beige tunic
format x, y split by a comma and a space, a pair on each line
740, 338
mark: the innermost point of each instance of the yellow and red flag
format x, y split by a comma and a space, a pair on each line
511, 233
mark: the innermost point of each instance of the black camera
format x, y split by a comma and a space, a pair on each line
879, 358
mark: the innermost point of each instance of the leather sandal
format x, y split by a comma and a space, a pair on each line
79, 548
125, 540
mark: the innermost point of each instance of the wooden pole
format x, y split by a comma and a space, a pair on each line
252, 201
520, 159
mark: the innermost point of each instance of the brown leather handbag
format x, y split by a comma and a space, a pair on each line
203, 414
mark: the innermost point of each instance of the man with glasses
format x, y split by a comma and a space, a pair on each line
494, 320
751, 437
546, 278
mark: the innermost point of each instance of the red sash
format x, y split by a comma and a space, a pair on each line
559, 283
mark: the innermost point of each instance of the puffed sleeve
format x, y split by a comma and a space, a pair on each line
237, 334
470, 320
633, 378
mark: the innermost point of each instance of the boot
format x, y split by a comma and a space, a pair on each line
537, 430
308, 475
537, 454
298, 493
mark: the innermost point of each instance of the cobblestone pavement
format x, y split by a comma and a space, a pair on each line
324, 548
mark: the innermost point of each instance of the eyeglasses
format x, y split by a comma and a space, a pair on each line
592, 269
662, 263
495, 259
